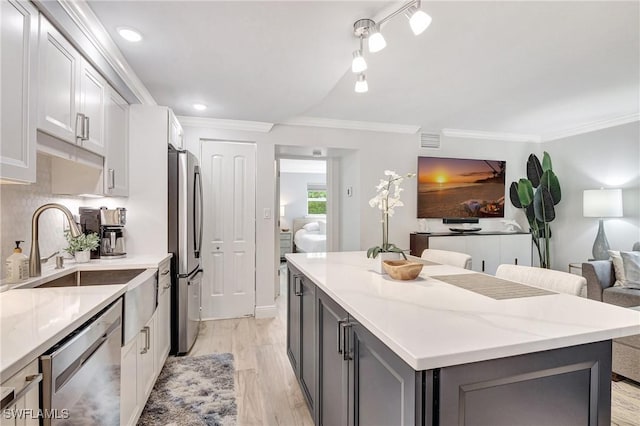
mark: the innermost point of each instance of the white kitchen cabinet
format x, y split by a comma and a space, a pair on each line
176, 134
71, 93
129, 399
116, 161
163, 316
18, 80
146, 367
24, 389
486, 251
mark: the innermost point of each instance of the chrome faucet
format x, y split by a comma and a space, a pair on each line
35, 269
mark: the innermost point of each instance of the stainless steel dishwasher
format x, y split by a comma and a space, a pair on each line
81, 383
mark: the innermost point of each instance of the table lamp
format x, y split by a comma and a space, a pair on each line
601, 203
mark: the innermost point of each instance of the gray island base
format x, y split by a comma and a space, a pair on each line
350, 377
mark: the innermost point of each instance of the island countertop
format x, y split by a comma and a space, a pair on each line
431, 324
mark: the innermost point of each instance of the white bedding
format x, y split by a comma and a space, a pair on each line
310, 242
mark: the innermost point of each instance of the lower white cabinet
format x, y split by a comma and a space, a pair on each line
129, 403
487, 251
24, 409
163, 316
146, 368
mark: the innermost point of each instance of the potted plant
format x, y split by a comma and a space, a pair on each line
537, 195
386, 200
81, 246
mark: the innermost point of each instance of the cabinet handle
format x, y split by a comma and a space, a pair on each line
297, 290
339, 333
86, 128
346, 350
147, 339
515, 261
112, 178
167, 286
82, 117
32, 382
483, 266
163, 273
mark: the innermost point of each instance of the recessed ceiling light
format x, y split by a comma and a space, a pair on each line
129, 34
199, 107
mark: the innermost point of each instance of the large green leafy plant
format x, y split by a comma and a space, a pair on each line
537, 195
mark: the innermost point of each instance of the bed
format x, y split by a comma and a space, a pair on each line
309, 235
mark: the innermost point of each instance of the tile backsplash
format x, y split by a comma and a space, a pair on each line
17, 204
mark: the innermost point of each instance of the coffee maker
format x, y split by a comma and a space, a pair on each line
109, 225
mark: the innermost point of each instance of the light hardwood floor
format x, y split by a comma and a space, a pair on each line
267, 391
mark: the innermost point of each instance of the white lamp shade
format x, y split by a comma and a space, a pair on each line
376, 41
361, 84
602, 203
358, 64
419, 22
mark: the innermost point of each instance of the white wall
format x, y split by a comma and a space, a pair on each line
17, 204
293, 194
376, 152
607, 158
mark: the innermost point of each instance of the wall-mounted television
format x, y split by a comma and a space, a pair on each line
455, 187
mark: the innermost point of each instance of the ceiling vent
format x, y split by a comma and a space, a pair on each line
429, 140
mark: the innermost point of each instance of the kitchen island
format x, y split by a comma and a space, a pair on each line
370, 350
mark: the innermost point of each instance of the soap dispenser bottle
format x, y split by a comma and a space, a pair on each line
17, 265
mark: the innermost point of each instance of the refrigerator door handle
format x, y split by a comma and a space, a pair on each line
197, 207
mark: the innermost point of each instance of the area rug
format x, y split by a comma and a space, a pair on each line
195, 390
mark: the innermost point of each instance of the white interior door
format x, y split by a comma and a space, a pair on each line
229, 175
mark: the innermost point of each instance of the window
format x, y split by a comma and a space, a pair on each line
316, 199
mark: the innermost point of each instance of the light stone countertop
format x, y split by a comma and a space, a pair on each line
50, 273
32, 320
431, 324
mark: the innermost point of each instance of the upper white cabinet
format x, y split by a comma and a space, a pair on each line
72, 93
19, 42
176, 134
116, 133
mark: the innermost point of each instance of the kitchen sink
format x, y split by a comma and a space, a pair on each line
84, 278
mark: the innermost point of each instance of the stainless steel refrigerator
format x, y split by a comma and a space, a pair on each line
185, 242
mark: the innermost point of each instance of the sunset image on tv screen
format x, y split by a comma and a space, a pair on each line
452, 187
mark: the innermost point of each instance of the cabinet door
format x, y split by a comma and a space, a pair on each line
18, 80
308, 341
58, 73
333, 368
484, 251
457, 243
382, 387
293, 319
16, 414
516, 249
129, 383
146, 368
92, 101
163, 319
175, 131
116, 138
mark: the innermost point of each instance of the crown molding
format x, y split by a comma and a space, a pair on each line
494, 136
592, 127
83, 16
224, 124
352, 125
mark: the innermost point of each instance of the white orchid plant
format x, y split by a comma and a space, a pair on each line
386, 200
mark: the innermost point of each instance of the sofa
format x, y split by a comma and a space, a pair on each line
600, 278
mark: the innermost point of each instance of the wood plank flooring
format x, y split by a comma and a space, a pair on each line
267, 391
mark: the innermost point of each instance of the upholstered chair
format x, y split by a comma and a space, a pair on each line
445, 257
561, 282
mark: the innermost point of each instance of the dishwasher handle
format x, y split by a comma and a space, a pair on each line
72, 369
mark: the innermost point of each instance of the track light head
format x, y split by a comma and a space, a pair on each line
358, 64
361, 84
376, 40
418, 20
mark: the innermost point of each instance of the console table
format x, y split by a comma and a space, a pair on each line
487, 249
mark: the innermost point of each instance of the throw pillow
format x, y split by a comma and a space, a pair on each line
631, 262
312, 227
618, 268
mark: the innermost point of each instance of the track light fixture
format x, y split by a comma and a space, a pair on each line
419, 21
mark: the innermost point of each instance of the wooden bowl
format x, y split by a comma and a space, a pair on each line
402, 269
